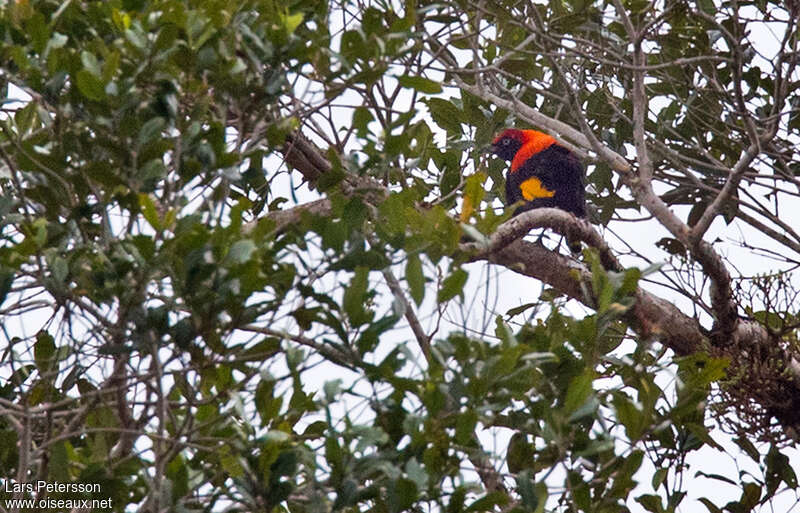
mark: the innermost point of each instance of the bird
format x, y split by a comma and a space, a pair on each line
543, 173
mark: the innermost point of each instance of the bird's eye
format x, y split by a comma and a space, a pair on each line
506, 142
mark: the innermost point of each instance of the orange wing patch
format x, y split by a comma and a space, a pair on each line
532, 188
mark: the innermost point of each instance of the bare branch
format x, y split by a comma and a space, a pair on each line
423, 339
555, 219
735, 176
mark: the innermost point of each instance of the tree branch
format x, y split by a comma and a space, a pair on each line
423, 339
556, 219
732, 183
302, 155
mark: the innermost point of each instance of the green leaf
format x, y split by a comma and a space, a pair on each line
504, 332
465, 426
750, 496
528, 492
520, 453
520, 309
24, 118
488, 502
623, 477
708, 6
122, 20
38, 31
541, 494
150, 130
415, 278
44, 351
369, 337
6, 281
60, 269
709, 505
90, 85
445, 114
718, 477
149, 211
629, 415
416, 473
59, 462
748, 447
353, 302
658, 477
177, 472
701, 432
90, 63
230, 462
475, 234
401, 495
778, 469
57, 40
136, 37
453, 285
651, 503
421, 84
361, 119
578, 391
241, 251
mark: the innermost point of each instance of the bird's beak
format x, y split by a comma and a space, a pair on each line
491, 148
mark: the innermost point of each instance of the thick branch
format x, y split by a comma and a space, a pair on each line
556, 219
303, 156
723, 305
289, 216
650, 316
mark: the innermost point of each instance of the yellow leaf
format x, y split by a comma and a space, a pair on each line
473, 195
293, 21
466, 209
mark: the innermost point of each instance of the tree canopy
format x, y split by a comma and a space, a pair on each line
254, 259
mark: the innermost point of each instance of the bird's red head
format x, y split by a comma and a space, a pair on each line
520, 145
